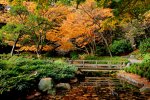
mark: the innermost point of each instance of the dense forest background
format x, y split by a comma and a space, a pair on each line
68, 27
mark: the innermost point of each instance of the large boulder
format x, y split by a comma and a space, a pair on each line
65, 86
145, 89
46, 85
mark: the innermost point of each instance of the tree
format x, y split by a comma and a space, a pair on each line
29, 27
146, 23
38, 27
83, 28
99, 19
17, 29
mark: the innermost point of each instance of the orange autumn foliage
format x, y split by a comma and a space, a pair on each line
33, 48
73, 28
146, 21
31, 6
80, 26
5, 2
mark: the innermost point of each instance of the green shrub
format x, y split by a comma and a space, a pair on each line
142, 69
127, 70
101, 50
74, 55
145, 46
91, 57
120, 47
148, 76
22, 74
147, 57
141, 73
2, 64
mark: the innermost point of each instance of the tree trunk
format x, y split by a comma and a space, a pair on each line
41, 42
38, 54
77, 6
13, 48
106, 43
37, 51
86, 50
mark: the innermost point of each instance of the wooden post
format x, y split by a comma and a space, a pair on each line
123, 64
71, 61
83, 63
108, 62
96, 64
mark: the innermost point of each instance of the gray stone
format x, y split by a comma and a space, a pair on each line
78, 72
45, 84
33, 96
37, 94
132, 56
132, 61
128, 64
145, 89
74, 80
64, 86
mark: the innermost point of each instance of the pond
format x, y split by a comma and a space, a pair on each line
99, 86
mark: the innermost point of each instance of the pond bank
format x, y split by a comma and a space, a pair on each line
135, 80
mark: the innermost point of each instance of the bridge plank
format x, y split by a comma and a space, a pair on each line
85, 70
99, 83
93, 65
94, 61
89, 68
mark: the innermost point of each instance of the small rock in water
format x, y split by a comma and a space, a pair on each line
94, 95
64, 86
74, 80
37, 94
145, 89
29, 97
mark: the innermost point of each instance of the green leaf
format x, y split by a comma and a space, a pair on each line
18, 10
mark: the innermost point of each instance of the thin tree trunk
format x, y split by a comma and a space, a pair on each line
42, 41
13, 48
94, 46
37, 51
109, 51
86, 50
91, 50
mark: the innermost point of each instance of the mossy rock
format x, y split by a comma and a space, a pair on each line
46, 85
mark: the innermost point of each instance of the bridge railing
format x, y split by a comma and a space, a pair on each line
103, 64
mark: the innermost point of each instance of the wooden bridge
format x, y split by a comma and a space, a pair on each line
98, 65
100, 81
